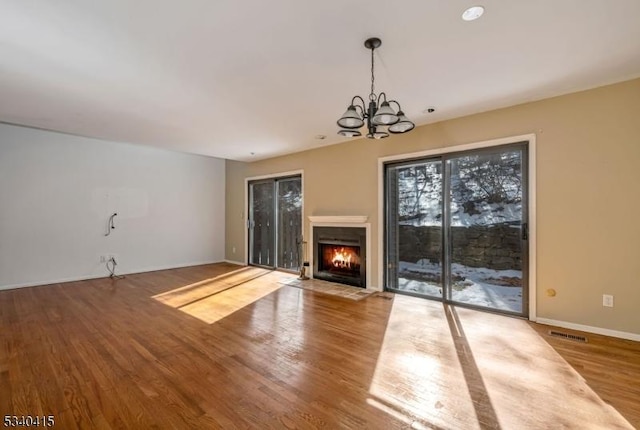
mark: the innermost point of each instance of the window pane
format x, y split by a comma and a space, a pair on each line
485, 234
262, 225
415, 228
289, 223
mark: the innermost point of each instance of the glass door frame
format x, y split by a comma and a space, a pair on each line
248, 214
526, 146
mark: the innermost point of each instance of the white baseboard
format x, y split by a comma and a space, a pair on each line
239, 263
98, 276
590, 329
51, 282
173, 266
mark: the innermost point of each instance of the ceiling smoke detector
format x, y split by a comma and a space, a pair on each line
473, 13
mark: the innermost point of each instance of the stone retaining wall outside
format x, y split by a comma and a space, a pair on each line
495, 247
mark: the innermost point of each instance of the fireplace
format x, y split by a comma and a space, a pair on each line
340, 255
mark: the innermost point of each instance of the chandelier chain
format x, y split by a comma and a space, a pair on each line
372, 95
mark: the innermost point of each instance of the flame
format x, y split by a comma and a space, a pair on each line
342, 258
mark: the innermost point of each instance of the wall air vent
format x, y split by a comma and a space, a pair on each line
568, 336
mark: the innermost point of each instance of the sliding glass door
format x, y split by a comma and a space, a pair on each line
262, 225
289, 223
487, 229
414, 227
275, 222
456, 228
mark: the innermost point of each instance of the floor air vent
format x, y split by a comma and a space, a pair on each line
567, 336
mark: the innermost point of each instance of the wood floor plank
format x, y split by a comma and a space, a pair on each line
217, 347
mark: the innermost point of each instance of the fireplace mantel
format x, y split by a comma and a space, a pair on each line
339, 219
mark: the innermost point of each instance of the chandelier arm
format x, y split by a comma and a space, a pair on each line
393, 101
359, 98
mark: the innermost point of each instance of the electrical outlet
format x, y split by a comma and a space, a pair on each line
607, 300
103, 259
233, 251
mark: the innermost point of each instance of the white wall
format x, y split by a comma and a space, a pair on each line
58, 191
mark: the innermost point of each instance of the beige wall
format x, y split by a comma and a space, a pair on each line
588, 194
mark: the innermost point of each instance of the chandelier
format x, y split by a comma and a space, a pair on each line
379, 114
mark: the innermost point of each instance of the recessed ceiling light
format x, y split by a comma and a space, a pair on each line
473, 13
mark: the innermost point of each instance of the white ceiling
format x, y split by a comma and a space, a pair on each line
227, 77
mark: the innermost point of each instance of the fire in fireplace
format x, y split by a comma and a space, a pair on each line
340, 255
340, 259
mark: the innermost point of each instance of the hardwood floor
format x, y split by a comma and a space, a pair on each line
107, 354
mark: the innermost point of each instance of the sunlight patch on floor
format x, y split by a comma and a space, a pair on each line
197, 291
191, 293
448, 367
418, 373
218, 306
213, 299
